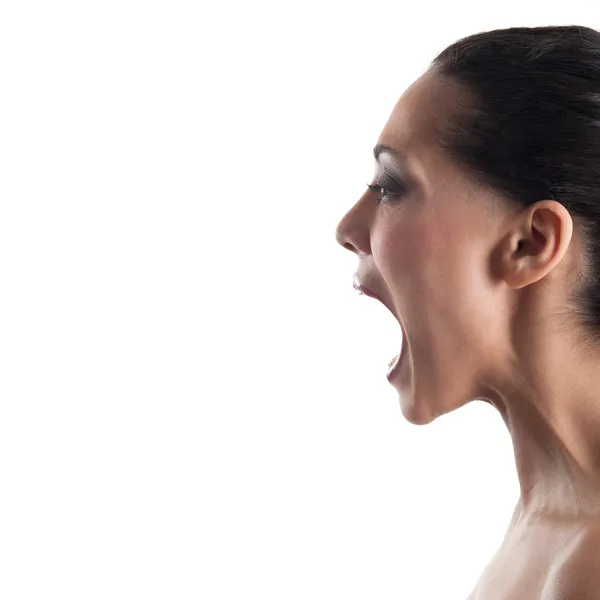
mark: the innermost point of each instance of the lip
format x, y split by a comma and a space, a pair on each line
367, 292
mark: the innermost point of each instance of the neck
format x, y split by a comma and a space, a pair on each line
553, 417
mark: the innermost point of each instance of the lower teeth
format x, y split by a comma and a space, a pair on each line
393, 361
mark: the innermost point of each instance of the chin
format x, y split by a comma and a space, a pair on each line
422, 413
416, 415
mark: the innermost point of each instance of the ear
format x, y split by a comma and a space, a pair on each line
537, 243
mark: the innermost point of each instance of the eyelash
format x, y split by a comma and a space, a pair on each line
387, 193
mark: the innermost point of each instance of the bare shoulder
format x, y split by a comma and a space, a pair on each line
576, 573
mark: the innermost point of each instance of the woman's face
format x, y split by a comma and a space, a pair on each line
428, 254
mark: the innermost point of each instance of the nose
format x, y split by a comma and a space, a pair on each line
352, 231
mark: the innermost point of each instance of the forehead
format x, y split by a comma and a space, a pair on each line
416, 119
419, 111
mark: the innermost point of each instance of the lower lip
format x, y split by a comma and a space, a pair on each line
394, 371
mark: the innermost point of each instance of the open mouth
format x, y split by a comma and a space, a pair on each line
393, 364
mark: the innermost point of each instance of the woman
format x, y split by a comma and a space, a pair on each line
480, 232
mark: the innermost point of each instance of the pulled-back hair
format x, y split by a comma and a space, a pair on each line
530, 129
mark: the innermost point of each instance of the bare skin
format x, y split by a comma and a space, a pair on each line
481, 288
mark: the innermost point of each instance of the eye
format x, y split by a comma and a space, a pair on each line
385, 195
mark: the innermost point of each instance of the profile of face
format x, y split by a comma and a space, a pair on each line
444, 254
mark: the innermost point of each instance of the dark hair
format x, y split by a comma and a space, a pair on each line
530, 129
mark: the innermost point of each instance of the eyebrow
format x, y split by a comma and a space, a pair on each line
397, 154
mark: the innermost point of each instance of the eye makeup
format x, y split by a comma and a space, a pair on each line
393, 184
391, 178
394, 164
388, 188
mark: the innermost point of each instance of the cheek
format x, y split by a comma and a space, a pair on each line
409, 252
394, 254
404, 259
421, 263
446, 287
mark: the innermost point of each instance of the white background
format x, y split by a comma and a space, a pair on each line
193, 398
